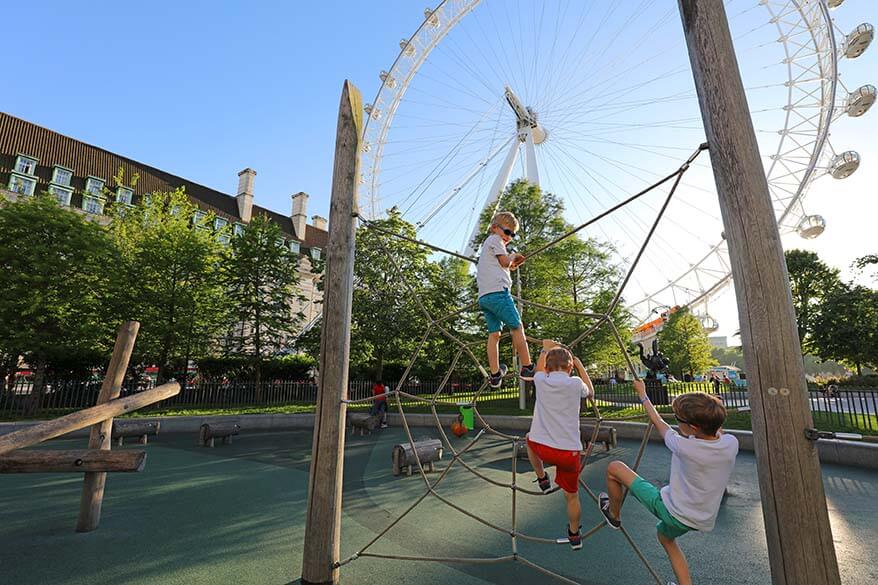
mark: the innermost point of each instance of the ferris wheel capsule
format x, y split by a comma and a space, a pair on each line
408, 49
860, 100
858, 40
843, 165
387, 79
708, 323
432, 17
811, 226
835, 3
372, 111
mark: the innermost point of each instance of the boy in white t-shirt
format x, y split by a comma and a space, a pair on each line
702, 459
554, 432
495, 300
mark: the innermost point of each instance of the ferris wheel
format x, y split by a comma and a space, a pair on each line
593, 101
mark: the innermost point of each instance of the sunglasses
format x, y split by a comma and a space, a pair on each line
508, 232
681, 420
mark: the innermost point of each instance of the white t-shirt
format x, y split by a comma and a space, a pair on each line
700, 472
490, 276
556, 414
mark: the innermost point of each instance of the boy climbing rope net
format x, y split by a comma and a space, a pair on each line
554, 431
702, 459
495, 300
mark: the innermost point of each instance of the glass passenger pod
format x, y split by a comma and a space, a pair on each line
834, 3
811, 226
858, 40
860, 100
843, 165
408, 49
387, 79
708, 323
432, 17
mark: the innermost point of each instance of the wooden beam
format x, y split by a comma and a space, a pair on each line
88, 460
101, 434
800, 546
83, 418
323, 521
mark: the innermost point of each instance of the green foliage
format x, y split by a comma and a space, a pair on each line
811, 280
846, 328
288, 367
685, 344
262, 279
55, 274
574, 275
170, 277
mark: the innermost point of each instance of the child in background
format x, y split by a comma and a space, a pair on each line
379, 402
554, 432
702, 459
495, 300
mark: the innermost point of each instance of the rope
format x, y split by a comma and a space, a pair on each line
464, 348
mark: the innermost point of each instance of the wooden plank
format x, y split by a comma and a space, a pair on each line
83, 418
323, 521
100, 438
82, 460
798, 533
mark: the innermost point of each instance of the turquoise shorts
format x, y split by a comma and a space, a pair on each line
499, 309
650, 496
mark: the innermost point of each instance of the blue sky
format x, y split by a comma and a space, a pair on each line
204, 89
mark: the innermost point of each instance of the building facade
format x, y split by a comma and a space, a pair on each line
34, 159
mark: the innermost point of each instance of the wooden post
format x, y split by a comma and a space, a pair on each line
799, 537
45, 461
323, 522
101, 433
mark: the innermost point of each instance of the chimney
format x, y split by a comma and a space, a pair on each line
300, 213
246, 178
318, 222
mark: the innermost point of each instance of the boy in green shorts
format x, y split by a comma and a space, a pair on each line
702, 459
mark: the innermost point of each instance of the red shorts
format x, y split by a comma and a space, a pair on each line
566, 464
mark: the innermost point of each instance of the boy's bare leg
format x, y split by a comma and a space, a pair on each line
677, 558
619, 477
494, 352
535, 462
519, 341
573, 511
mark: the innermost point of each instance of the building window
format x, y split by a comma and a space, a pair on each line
239, 229
124, 195
198, 219
280, 243
62, 176
92, 204
22, 185
25, 164
219, 223
315, 253
63, 194
295, 247
94, 186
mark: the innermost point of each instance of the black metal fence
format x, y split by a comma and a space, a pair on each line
854, 408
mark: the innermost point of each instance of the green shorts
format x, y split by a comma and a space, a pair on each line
650, 496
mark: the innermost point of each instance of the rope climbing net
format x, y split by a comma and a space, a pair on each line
516, 442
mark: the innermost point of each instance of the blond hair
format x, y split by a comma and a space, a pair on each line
558, 359
505, 219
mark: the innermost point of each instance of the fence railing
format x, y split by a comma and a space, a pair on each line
856, 408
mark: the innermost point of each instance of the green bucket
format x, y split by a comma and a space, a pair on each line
466, 415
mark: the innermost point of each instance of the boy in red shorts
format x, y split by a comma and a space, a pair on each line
554, 432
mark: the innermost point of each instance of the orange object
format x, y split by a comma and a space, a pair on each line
458, 429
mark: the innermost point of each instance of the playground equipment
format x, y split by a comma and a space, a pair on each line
364, 424
98, 459
422, 452
134, 428
209, 432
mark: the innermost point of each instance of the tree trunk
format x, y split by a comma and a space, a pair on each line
859, 369
379, 365
39, 386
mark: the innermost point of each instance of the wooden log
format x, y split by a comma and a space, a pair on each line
606, 435
123, 429
88, 460
403, 456
365, 424
100, 437
797, 530
83, 418
323, 520
209, 432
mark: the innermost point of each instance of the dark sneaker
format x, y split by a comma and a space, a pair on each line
544, 483
527, 373
496, 380
383, 425
574, 538
604, 505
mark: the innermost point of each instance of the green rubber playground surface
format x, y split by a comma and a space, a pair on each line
235, 515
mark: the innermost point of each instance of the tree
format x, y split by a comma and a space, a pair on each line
171, 277
846, 328
262, 278
685, 344
56, 271
869, 260
811, 280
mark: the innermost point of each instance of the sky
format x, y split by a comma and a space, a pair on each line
205, 89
